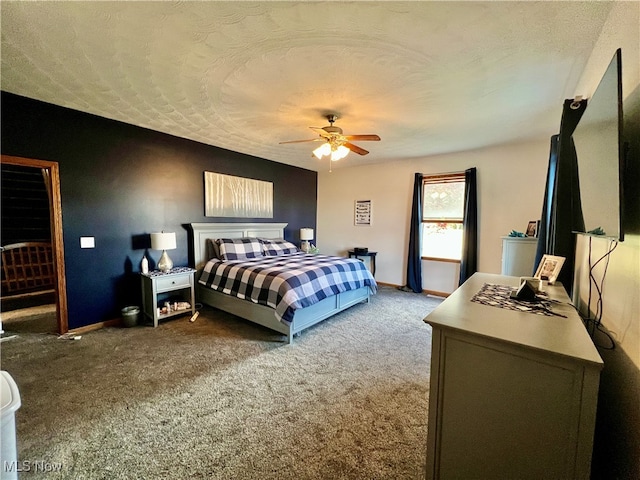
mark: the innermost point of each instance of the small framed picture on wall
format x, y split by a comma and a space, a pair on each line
532, 228
363, 212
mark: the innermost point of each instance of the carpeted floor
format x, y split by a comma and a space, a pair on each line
37, 319
222, 398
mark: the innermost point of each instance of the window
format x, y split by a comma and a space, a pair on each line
442, 215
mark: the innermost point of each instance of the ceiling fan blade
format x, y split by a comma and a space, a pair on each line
320, 131
302, 141
370, 137
355, 148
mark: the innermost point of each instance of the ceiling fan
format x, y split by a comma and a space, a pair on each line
335, 143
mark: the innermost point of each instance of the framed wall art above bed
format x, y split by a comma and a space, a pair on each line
230, 196
304, 289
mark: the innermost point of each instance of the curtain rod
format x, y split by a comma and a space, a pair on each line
442, 176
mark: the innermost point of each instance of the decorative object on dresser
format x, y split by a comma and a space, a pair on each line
161, 290
549, 268
164, 241
306, 234
304, 299
513, 392
532, 228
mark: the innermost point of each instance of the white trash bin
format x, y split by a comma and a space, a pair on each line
10, 402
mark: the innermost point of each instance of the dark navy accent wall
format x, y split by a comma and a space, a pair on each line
120, 182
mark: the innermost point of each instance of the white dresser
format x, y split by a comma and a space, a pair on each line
518, 256
512, 394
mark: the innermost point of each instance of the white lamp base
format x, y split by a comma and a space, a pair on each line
305, 246
165, 264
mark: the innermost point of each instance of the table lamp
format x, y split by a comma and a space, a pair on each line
306, 234
164, 241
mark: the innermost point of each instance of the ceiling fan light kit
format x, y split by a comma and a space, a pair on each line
336, 145
339, 153
322, 150
331, 148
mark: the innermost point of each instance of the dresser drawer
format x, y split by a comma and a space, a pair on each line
173, 281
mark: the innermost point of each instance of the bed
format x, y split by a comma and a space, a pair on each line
288, 322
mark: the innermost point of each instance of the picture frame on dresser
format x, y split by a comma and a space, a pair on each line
549, 268
532, 228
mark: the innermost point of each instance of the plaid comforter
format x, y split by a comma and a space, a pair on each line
287, 282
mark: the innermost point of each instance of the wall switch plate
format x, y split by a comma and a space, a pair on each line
87, 242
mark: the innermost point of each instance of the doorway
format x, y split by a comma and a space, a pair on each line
51, 174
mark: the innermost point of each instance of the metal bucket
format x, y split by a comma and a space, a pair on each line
130, 316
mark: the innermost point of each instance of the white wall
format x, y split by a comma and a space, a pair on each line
621, 292
511, 181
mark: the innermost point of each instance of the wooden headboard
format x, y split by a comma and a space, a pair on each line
27, 267
204, 231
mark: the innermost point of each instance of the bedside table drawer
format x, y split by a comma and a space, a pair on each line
174, 281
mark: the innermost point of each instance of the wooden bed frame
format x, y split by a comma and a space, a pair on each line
27, 269
260, 314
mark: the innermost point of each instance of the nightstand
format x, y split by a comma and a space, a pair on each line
371, 255
175, 286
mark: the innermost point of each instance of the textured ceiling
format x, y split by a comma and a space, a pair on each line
428, 77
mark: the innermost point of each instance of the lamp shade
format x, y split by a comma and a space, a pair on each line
339, 153
163, 241
306, 234
322, 150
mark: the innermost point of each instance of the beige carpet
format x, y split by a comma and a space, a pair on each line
222, 398
39, 319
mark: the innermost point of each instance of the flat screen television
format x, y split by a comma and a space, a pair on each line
600, 150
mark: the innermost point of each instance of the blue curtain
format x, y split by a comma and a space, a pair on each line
469, 262
545, 217
561, 208
414, 260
